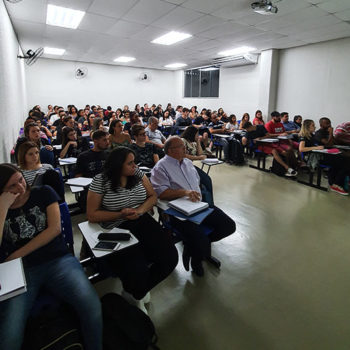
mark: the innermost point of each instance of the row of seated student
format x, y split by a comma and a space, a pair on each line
120, 196
208, 123
308, 141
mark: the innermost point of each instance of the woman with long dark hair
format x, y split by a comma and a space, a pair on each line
30, 229
72, 145
121, 197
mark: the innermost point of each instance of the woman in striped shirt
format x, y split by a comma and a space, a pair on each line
122, 196
29, 163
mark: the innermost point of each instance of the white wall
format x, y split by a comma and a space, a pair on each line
53, 82
238, 91
314, 81
12, 90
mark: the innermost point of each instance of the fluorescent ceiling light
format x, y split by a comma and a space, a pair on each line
237, 51
176, 65
208, 69
54, 51
124, 59
63, 17
171, 38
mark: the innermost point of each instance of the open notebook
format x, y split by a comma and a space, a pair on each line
12, 279
184, 205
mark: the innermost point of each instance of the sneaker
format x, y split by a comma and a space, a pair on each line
291, 172
338, 189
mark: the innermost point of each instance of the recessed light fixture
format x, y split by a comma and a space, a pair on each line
124, 59
171, 38
237, 51
54, 51
63, 17
176, 65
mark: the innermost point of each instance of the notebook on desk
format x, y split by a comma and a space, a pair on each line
12, 279
187, 207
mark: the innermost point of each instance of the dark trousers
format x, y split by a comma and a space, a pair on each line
340, 168
142, 266
197, 242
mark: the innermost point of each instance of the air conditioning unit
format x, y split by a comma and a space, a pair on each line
236, 61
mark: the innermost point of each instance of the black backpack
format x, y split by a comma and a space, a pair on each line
125, 327
235, 152
54, 328
277, 168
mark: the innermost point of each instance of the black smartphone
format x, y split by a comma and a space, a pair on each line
106, 246
114, 237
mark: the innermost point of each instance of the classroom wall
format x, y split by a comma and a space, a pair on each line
12, 90
51, 81
314, 81
238, 91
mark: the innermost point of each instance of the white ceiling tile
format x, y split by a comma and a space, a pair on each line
304, 14
206, 6
202, 24
344, 15
96, 23
224, 29
149, 33
148, 11
310, 24
285, 7
81, 5
25, 29
176, 2
177, 18
112, 8
335, 5
234, 10
125, 29
251, 19
34, 11
323, 31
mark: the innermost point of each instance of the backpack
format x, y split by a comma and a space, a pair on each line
126, 327
54, 328
235, 151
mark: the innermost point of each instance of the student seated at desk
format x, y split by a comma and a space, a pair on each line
324, 135
29, 163
289, 127
72, 145
244, 119
145, 152
258, 132
258, 120
117, 137
232, 124
121, 197
30, 228
174, 177
339, 165
342, 134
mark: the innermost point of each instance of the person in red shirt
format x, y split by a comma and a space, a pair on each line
275, 128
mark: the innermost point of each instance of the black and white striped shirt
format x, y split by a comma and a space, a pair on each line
119, 199
29, 175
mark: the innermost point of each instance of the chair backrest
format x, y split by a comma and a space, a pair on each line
66, 226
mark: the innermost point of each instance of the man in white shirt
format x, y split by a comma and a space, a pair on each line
153, 134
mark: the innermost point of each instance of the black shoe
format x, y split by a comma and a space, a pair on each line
186, 258
197, 268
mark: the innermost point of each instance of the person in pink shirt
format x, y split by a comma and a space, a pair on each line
258, 120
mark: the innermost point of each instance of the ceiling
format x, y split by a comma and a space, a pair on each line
112, 28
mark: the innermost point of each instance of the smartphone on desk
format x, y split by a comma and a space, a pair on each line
114, 237
109, 246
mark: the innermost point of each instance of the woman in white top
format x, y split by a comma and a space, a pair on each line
166, 120
232, 123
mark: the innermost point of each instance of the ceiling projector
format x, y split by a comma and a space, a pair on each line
264, 7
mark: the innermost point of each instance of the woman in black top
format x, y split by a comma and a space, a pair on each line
145, 153
72, 145
30, 228
339, 165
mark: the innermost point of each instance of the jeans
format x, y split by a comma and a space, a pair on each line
64, 278
225, 145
